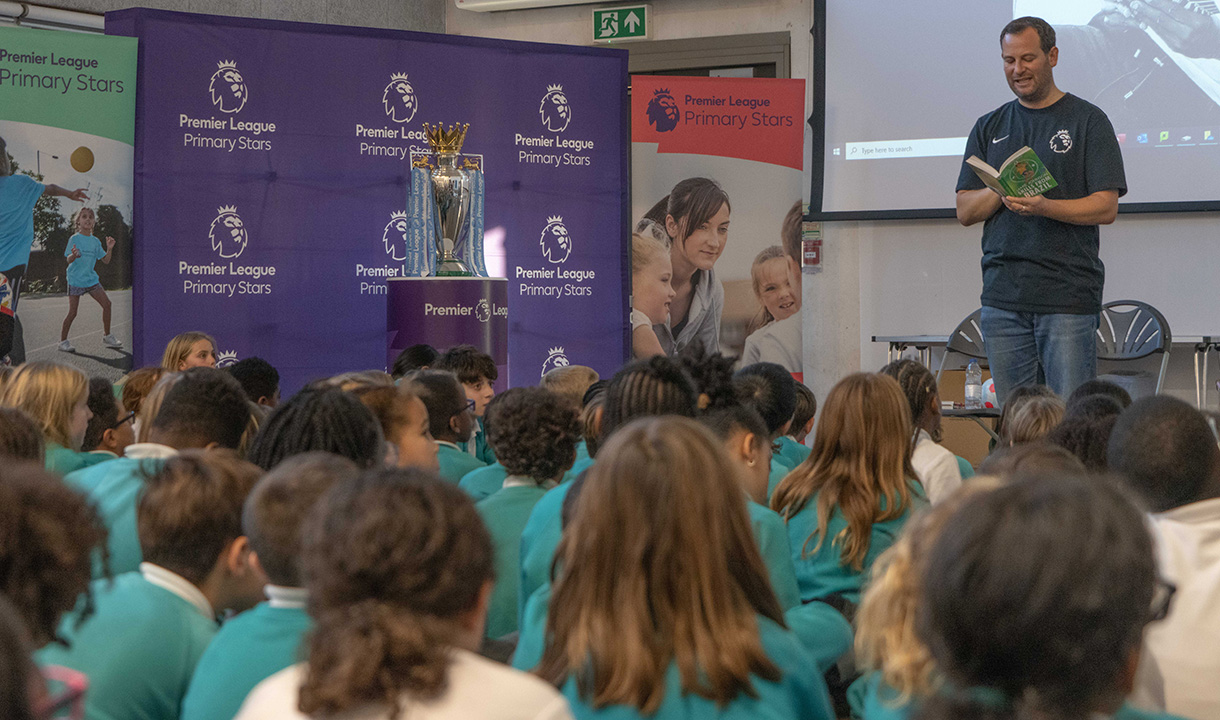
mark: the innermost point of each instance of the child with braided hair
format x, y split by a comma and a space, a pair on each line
319, 418
936, 467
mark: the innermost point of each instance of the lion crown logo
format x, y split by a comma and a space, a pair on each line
555, 111
399, 99
228, 233
228, 88
226, 358
663, 111
1061, 141
395, 236
555, 359
556, 243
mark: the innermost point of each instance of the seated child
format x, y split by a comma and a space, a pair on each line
404, 423
259, 379
260, 642
399, 570
661, 606
571, 383
935, 466
534, 432
477, 372
416, 357
57, 397
188, 350
319, 418
20, 437
792, 447
451, 418
48, 534
847, 503
771, 391
205, 407
110, 430
150, 627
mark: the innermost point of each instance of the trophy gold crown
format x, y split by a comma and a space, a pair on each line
446, 141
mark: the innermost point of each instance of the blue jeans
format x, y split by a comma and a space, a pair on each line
1058, 350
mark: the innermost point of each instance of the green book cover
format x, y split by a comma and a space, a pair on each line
1023, 174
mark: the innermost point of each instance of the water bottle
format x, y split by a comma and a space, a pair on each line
974, 386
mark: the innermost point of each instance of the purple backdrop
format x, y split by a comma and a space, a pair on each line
266, 188
449, 311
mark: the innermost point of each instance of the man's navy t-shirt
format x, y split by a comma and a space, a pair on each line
1035, 264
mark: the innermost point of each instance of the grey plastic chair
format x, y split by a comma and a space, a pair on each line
966, 340
1129, 330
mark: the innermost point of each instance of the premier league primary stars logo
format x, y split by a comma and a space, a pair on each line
663, 111
228, 88
555, 111
399, 99
555, 241
395, 236
228, 233
555, 359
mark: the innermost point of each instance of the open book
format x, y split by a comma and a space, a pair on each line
1021, 175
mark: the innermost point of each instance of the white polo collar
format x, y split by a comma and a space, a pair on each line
149, 451
291, 598
178, 585
522, 481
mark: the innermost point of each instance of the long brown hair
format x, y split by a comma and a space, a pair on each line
659, 565
860, 464
391, 560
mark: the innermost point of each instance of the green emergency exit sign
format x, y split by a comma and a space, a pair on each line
629, 22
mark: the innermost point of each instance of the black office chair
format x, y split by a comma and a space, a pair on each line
1129, 330
967, 341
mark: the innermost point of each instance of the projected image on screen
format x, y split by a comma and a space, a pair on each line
906, 81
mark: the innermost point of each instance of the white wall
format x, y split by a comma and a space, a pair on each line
908, 277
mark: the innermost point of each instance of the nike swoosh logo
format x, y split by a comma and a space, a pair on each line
993, 142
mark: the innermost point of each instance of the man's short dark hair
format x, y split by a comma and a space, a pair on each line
190, 510
467, 363
105, 411
257, 377
806, 407
280, 502
206, 405
1046, 33
1165, 450
416, 357
770, 390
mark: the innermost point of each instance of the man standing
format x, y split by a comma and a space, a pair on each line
1042, 277
18, 194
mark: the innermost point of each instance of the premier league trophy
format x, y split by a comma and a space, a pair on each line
445, 237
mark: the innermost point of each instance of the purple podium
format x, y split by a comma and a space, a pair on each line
447, 311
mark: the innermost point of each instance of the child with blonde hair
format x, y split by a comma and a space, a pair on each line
771, 280
57, 397
1033, 420
188, 350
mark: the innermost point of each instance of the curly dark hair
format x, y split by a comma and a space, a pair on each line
105, 412
533, 431
48, 533
20, 436
391, 559
319, 418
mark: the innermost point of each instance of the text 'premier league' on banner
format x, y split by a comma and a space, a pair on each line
39, 70
229, 93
